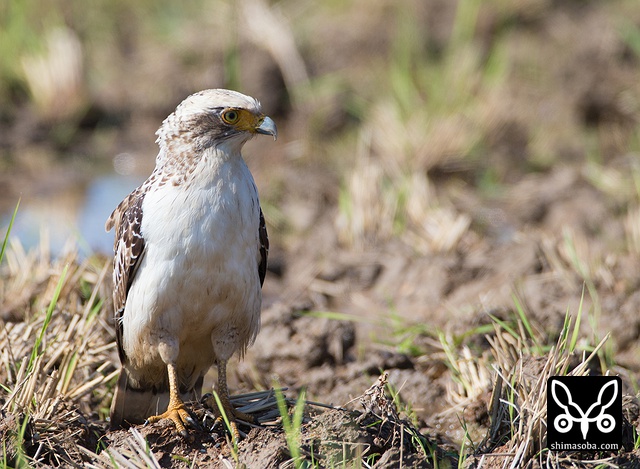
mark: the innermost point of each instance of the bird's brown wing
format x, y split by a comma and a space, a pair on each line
129, 251
264, 248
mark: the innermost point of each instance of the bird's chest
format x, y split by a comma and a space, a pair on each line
198, 281
203, 218
202, 241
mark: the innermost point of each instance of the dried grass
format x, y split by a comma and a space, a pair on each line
519, 402
386, 195
56, 78
59, 361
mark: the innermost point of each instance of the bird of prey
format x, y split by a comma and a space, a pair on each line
190, 259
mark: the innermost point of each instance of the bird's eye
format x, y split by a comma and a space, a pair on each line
231, 116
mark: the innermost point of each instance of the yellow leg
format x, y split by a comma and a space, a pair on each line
176, 410
223, 393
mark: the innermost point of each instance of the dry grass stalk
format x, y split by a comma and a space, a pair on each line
56, 78
632, 229
135, 456
267, 28
472, 379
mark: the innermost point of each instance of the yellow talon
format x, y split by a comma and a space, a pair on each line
176, 410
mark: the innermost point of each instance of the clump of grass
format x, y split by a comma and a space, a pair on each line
574, 261
470, 375
518, 405
424, 117
522, 360
377, 403
292, 426
55, 78
59, 353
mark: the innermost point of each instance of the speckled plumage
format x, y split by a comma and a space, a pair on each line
190, 255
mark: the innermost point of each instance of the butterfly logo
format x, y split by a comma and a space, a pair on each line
572, 412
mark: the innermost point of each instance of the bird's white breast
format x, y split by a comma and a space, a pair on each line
198, 283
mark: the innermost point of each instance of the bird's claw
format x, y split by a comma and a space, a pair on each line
193, 423
179, 415
233, 415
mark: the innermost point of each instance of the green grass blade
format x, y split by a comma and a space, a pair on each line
503, 324
6, 236
576, 327
525, 322
54, 300
282, 408
227, 423
223, 414
336, 316
292, 424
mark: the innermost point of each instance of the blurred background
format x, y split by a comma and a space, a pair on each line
398, 119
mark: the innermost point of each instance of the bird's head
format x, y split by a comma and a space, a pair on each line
214, 118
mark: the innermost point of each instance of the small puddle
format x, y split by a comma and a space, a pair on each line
71, 215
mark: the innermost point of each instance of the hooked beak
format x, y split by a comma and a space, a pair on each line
267, 127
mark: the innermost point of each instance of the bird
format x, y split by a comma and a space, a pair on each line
190, 259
